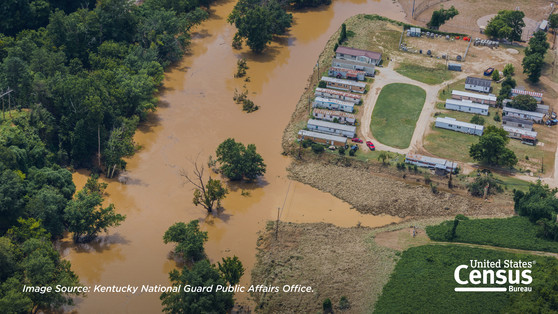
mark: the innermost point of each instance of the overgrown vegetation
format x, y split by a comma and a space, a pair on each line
540, 205
241, 68
491, 148
439, 17
242, 98
534, 56
507, 24
492, 185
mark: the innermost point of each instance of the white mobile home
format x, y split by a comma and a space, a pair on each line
354, 65
331, 115
466, 106
518, 133
348, 85
322, 138
478, 84
430, 162
474, 97
331, 128
459, 126
537, 117
336, 94
516, 91
333, 104
517, 123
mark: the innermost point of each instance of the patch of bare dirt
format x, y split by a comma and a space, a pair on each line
402, 239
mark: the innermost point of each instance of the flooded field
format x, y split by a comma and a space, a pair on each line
195, 115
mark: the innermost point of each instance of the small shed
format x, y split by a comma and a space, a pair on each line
543, 26
454, 67
414, 32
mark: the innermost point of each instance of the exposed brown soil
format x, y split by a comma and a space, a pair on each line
402, 239
371, 191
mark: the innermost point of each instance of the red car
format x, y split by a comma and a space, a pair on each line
370, 145
356, 140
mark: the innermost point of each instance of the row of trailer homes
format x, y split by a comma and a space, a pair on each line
333, 120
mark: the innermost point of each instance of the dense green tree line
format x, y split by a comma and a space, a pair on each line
534, 56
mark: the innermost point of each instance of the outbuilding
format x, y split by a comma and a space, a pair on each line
454, 67
459, 126
466, 106
348, 85
334, 116
322, 138
336, 94
331, 128
478, 84
474, 97
333, 104
359, 55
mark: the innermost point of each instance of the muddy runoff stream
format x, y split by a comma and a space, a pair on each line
195, 115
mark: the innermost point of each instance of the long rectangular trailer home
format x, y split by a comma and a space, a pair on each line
331, 115
537, 117
322, 138
519, 133
354, 65
516, 91
466, 106
359, 55
331, 128
333, 104
478, 84
430, 162
474, 97
348, 85
346, 74
459, 126
514, 122
337, 94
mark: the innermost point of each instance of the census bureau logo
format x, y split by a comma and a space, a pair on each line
494, 276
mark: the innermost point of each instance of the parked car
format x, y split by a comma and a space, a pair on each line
370, 145
488, 72
356, 140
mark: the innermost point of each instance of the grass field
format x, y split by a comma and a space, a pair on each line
423, 282
396, 113
514, 232
431, 76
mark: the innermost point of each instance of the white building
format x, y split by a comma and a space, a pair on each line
331, 128
333, 104
322, 138
336, 94
359, 55
459, 126
478, 84
474, 97
348, 85
331, 115
523, 114
354, 65
519, 133
516, 91
466, 106
430, 162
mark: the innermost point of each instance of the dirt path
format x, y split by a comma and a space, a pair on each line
388, 76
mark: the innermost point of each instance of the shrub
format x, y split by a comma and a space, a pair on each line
327, 307
249, 106
476, 119
341, 150
476, 188
306, 143
497, 117
434, 188
496, 75
509, 69
317, 148
344, 303
352, 152
322, 84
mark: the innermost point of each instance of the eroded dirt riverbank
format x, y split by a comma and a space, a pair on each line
195, 115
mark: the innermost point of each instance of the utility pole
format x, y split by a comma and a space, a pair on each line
6, 93
277, 224
413, 12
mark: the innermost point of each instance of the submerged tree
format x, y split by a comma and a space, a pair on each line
189, 239
231, 270
208, 194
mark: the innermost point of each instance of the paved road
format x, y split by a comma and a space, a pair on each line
388, 76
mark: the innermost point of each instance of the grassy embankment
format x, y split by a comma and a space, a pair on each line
427, 75
513, 232
423, 281
396, 113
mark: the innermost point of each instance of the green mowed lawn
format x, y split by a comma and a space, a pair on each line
431, 76
396, 113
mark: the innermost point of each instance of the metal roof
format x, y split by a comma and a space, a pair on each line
327, 124
526, 92
460, 123
334, 101
519, 131
351, 62
466, 104
479, 96
524, 112
478, 81
341, 81
336, 92
335, 113
517, 120
355, 72
431, 160
359, 52
324, 136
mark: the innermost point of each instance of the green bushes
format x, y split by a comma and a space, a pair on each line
476, 188
322, 84
514, 232
317, 148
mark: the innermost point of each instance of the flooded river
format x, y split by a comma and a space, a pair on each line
196, 114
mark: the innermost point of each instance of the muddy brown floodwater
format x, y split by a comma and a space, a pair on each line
196, 114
